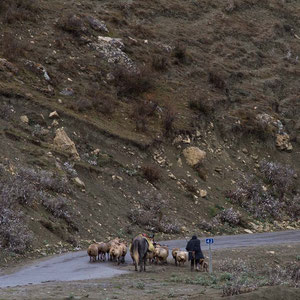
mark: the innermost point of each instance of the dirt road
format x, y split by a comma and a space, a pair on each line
76, 266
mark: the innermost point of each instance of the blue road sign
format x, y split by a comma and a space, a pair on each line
209, 241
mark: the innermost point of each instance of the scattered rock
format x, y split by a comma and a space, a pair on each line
193, 155
172, 176
38, 68
54, 115
65, 144
245, 151
67, 92
24, 119
79, 182
96, 24
203, 193
96, 152
112, 50
248, 231
283, 142
55, 123
179, 162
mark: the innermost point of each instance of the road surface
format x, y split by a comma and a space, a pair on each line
76, 266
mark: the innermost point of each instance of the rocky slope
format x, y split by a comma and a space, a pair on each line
164, 116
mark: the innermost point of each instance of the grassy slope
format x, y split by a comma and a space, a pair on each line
245, 45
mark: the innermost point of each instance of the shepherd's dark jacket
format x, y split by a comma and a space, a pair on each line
194, 245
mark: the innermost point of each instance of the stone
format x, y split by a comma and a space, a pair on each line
193, 155
244, 150
54, 115
112, 49
203, 193
96, 152
172, 176
79, 182
283, 142
24, 119
248, 230
54, 123
179, 162
96, 24
65, 144
39, 68
67, 92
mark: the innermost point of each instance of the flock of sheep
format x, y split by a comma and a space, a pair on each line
116, 250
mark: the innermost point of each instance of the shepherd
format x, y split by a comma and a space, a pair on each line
141, 245
195, 253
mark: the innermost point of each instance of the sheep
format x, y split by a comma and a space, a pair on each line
181, 257
161, 254
115, 241
150, 257
93, 252
174, 254
118, 252
123, 247
102, 250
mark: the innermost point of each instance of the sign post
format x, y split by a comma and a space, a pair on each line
209, 242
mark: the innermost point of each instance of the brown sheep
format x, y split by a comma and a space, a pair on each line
102, 250
116, 253
123, 247
150, 257
174, 254
181, 257
111, 243
93, 252
161, 254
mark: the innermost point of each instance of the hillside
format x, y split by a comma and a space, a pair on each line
102, 100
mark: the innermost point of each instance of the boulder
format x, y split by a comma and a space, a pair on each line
193, 155
65, 144
283, 142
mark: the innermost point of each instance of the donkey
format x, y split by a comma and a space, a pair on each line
139, 249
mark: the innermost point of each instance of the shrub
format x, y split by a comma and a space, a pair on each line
141, 112
249, 124
12, 48
230, 216
58, 207
6, 111
160, 63
151, 173
104, 103
279, 176
72, 24
150, 215
14, 233
250, 195
19, 10
81, 105
216, 80
132, 83
202, 107
180, 54
169, 118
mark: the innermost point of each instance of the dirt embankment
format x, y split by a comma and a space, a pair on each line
133, 85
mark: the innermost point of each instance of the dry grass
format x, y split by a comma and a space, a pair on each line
151, 173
